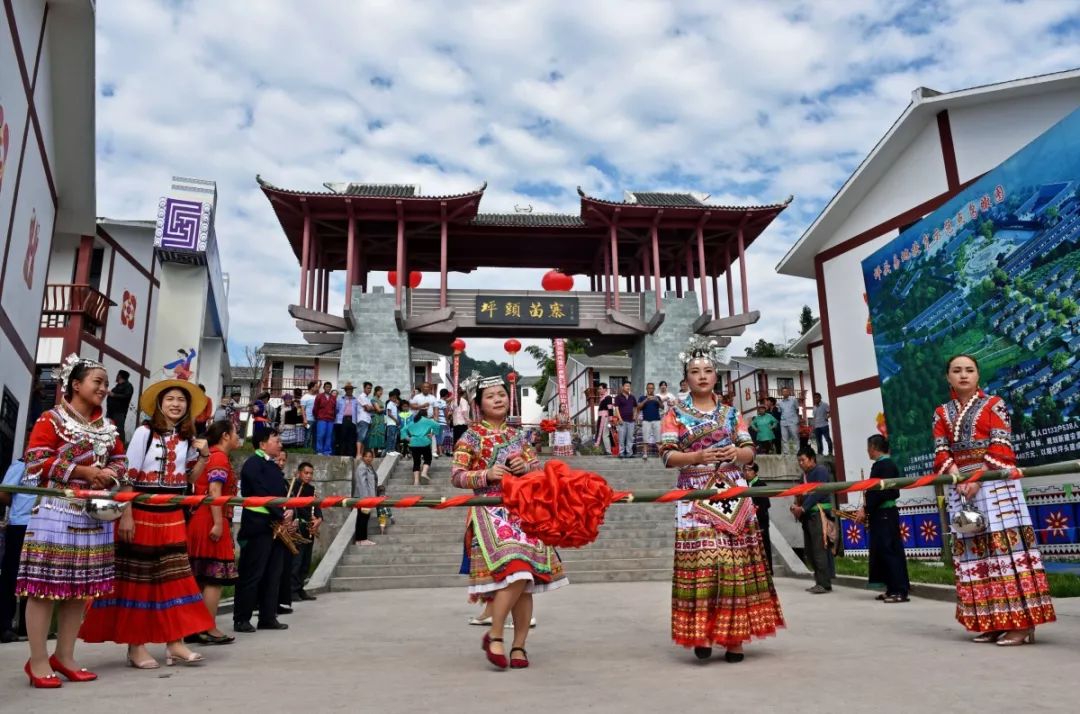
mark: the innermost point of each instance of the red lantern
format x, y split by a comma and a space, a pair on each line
511, 377
512, 346
458, 345
557, 281
414, 278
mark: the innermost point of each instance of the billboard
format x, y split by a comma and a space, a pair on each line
995, 273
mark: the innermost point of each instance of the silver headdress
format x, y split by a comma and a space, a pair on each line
63, 372
703, 348
486, 382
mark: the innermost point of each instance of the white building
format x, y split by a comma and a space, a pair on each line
940, 143
47, 183
584, 375
752, 379
286, 366
530, 410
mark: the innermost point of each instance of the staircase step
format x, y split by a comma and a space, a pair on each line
450, 547
571, 566
457, 581
382, 555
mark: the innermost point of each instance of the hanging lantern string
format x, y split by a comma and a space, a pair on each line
626, 497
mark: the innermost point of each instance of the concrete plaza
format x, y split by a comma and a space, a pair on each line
598, 648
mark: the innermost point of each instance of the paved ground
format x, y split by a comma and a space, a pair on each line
599, 648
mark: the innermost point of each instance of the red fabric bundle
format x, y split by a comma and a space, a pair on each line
547, 425
561, 506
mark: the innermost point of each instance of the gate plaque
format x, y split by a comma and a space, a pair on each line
526, 310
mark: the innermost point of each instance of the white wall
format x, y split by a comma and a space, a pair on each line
817, 368
178, 317
126, 331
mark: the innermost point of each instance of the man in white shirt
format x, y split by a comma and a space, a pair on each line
363, 417
667, 399
684, 390
789, 421
307, 402
424, 400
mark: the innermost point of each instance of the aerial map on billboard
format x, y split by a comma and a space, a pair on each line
994, 273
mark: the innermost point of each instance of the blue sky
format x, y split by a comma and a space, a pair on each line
749, 102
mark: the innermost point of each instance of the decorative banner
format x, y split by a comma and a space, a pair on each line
457, 374
560, 371
182, 225
995, 273
127, 310
526, 310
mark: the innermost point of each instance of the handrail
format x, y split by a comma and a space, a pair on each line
62, 300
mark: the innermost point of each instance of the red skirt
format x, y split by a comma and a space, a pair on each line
155, 598
211, 563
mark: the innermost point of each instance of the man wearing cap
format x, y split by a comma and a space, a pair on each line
118, 401
346, 417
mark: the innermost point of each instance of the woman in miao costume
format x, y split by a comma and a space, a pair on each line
67, 557
563, 439
156, 599
722, 592
506, 566
1001, 587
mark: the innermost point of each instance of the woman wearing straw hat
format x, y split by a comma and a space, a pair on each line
156, 598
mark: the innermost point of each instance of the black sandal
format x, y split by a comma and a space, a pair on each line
703, 652
733, 657
896, 598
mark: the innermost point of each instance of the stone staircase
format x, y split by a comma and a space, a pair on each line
424, 547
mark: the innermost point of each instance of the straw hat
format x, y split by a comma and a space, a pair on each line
149, 398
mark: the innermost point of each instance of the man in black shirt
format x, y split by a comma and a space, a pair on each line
603, 418
118, 401
261, 555
818, 523
887, 562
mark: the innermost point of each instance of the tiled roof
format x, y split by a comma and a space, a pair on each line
654, 198
774, 364
605, 362
289, 349
421, 355
243, 374
549, 220
395, 190
372, 190
682, 204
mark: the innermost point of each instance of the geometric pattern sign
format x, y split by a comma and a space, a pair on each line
182, 225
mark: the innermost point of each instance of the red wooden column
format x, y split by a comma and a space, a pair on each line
350, 257
678, 278
614, 265
689, 270
655, 239
305, 257
701, 264
742, 273
312, 267
607, 277
401, 277
326, 290
727, 274
442, 254
716, 288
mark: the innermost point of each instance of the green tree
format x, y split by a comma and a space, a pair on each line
763, 348
1053, 215
806, 320
545, 360
1060, 362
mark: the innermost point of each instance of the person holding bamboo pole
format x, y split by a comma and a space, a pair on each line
1001, 588
507, 566
722, 591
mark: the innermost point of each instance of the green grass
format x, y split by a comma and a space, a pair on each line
1061, 584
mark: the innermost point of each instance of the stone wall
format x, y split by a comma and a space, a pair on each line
375, 351
655, 357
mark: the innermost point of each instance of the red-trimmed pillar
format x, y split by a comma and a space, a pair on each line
442, 255
701, 269
401, 277
742, 273
305, 259
607, 277
727, 275
656, 265
614, 265
350, 259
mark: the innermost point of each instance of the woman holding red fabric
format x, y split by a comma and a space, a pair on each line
209, 533
506, 566
156, 598
67, 557
1001, 587
722, 592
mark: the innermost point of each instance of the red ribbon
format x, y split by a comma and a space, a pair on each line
547, 425
561, 506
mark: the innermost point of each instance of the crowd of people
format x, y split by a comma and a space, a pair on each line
156, 575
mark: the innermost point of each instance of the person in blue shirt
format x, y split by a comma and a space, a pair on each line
419, 433
818, 523
19, 505
650, 406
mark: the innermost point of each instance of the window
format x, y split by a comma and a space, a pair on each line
303, 375
785, 383
615, 382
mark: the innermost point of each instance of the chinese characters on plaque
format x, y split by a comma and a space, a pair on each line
526, 310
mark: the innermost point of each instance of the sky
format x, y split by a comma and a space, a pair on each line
748, 102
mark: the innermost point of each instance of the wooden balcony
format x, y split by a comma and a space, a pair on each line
64, 301
279, 385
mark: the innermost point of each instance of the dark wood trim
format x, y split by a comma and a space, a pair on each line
948, 151
115, 245
812, 345
40, 46
909, 216
16, 44
149, 304
115, 354
16, 342
108, 292
14, 207
38, 134
830, 372
859, 385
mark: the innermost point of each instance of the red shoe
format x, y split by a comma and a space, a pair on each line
499, 660
74, 675
517, 663
49, 681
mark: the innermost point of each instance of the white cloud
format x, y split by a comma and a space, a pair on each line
747, 101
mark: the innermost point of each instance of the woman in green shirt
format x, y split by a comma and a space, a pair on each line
764, 427
418, 433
